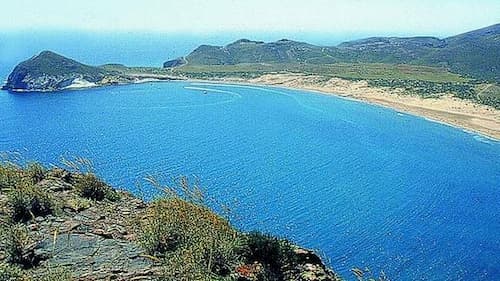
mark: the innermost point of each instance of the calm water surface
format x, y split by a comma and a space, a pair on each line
367, 186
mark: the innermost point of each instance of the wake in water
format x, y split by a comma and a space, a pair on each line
299, 102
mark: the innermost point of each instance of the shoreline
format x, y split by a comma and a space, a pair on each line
467, 115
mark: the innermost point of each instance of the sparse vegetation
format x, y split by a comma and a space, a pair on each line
19, 246
180, 236
426, 89
58, 273
27, 201
187, 235
91, 187
35, 172
342, 70
9, 272
473, 53
10, 175
183, 233
275, 254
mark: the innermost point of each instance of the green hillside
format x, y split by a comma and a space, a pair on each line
247, 51
475, 54
463, 65
50, 63
49, 70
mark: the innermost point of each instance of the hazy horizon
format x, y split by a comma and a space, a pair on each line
390, 17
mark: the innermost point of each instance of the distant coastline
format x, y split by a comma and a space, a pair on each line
452, 80
456, 112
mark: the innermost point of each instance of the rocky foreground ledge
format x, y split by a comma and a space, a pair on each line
62, 225
49, 71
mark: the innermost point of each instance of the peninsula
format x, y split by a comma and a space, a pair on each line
49, 71
455, 80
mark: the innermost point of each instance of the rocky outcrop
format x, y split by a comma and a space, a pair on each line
175, 62
98, 239
92, 239
49, 71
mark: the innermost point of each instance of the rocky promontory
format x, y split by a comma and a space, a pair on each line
49, 71
59, 224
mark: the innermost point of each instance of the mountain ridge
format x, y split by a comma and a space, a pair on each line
475, 53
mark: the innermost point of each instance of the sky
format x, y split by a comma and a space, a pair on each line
412, 17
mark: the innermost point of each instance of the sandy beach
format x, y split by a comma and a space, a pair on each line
447, 109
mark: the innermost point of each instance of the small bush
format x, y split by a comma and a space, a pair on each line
10, 176
62, 174
78, 204
19, 247
28, 201
182, 266
91, 187
10, 272
58, 273
35, 172
272, 252
190, 238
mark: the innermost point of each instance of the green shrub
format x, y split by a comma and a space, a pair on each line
19, 246
182, 266
35, 172
10, 272
58, 273
78, 204
28, 201
91, 187
10, 176
190, 239
272, 252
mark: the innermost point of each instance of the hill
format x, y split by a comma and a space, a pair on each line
247, 51
475, 54
49, 71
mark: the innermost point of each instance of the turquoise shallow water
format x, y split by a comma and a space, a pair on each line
367, 186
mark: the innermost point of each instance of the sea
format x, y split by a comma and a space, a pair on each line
365, 186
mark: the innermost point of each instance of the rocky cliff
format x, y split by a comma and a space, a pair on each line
62, 225
49, 71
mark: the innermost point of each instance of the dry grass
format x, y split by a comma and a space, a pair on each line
9, 272
90, 186
190, 238
27, 201
19, 246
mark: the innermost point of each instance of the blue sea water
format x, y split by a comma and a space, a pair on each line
365, 185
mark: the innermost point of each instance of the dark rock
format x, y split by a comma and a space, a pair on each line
175, 62
95, 256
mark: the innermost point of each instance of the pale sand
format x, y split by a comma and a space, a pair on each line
457, 112
79, 83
